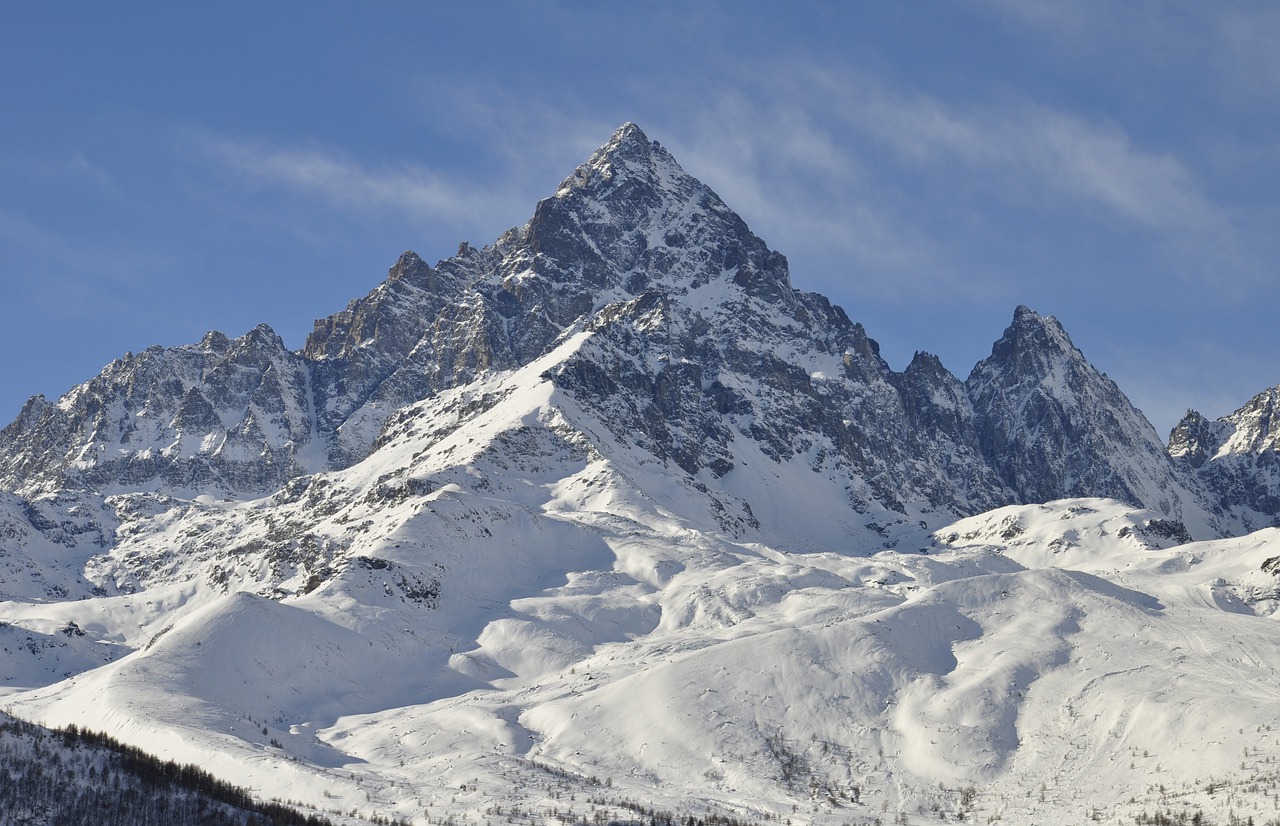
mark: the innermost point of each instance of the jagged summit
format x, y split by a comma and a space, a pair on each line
1032, 337
1236, 458
1194, 439
1257, 424
628, 137
631, 218
410, 266
1052, 425
609, 498
698, 349
628, 153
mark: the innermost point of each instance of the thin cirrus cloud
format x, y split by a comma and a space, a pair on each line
792, 173
411, 190
798, 158
834, 158
1094, 163
113, 262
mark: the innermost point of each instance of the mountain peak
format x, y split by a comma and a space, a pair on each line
632, 218
1054, 426
1194, 439
1034, 338
1026, 319
629, 145
628, 137
408, 262
627, 158
1237, 457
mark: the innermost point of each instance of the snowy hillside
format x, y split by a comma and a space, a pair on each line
608, 517
72, 777
1055, 658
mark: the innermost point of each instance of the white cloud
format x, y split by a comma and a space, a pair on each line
1248, 48
1032, 148
790, 172
1102, 165
412, 190
1213, 375
813, 157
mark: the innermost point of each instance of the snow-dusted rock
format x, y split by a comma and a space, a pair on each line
611, 498
1054, 427
1237, 458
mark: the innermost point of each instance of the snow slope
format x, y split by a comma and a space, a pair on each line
608, 517
574, 638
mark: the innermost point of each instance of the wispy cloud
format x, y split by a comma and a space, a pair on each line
900, 183
94, 277
1033, 148
833, 158
416, 192
1215, 376
1248, 39
17, 228
815, 157
56, 169
794, 176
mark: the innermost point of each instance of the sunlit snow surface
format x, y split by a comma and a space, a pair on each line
527, 623
507, 611
514, 611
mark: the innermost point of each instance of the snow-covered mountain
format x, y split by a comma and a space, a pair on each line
1054, 427
697, 344
1237, 459
609, 511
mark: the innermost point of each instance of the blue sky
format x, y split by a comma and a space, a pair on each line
929, 166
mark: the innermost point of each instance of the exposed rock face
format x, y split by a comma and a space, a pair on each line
1237, 458
359, 358
698, 351
703, 343
617, 455
221, 415
1053, 427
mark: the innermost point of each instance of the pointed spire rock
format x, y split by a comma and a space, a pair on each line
1032, 337
1195, 439
1237, 457
627, 156
1055, 427
410, 267
631, 218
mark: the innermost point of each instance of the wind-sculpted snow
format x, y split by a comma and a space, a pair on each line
713, 676
608, 516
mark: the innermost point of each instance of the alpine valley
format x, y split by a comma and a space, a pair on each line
607, 521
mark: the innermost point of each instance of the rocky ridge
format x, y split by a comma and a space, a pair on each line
1056, 428
1236, 459
610, 496
698, 343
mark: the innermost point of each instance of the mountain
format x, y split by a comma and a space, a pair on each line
1237, 459
1056, 428
610, 511
699, 350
